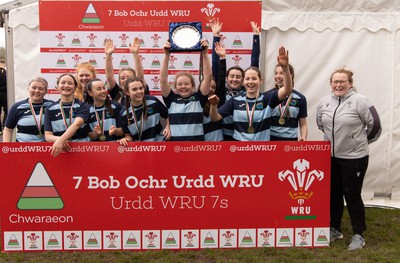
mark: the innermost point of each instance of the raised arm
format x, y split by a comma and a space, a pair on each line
165, 87
109, 49
255, 51
216, 27
207, 74
220, 90
283, 61
135, 50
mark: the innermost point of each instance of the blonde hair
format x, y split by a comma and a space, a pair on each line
41, 80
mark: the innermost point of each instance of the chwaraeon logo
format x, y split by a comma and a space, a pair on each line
40, 193
90, 16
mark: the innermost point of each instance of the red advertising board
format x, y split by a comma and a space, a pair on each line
145, 15
102, 196
72, 32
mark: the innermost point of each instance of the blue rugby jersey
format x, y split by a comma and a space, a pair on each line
54, 121
217, 64
227, 122
186, 116
152, 127
20, 116
212, 130
109, 120
236, 107
297, 109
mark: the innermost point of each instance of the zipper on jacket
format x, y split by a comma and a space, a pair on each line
333, 130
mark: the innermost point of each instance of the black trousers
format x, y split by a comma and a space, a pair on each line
347, 177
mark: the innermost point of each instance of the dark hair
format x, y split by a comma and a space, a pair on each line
291, 70
128, 98
253, 68
107, 102
235, 68
70, 75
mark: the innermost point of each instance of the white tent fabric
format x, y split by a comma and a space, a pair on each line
363, 36
335, 15
320, 36
24, 22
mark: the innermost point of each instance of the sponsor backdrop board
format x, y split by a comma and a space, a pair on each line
67, 42
102, 196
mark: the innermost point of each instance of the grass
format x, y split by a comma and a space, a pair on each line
382, 245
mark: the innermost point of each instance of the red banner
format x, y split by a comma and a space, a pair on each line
65, 43
102, 196
145, 15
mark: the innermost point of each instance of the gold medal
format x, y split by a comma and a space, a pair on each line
102, 137
284, 110
37, 122
250, 129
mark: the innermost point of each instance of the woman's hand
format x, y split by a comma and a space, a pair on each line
283, 57
135, 46
97, 129
109, 47
167, 47
216, 26
213, 99
59, 146
220, 50
167, 133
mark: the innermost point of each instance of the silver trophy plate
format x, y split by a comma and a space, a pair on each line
185, 36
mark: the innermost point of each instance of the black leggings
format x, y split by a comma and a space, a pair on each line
347, 176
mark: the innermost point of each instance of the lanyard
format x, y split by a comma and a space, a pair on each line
285, 109
250, 115
35, 118
139, 129
64, 117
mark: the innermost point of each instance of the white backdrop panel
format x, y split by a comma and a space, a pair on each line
370, 55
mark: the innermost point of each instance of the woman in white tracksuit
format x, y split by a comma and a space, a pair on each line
350, 122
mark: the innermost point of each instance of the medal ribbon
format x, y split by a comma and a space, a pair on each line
37, 122
250, 118
64, 117
100, 122
286, 107
139, 130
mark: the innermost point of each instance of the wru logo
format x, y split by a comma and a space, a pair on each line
301, 179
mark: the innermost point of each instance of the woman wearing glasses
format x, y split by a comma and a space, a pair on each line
350, 122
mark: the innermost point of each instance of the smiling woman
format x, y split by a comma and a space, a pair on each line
350, 122
28, 115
